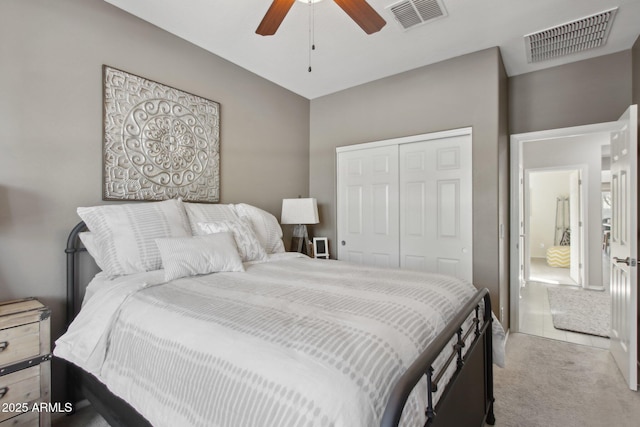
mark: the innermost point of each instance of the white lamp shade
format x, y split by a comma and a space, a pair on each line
299, 211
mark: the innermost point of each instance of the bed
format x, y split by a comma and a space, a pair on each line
282, 339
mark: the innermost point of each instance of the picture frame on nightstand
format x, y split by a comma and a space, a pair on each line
321, 247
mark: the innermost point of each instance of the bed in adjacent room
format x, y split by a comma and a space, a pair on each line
199, 318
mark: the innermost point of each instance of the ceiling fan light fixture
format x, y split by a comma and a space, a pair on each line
309, 1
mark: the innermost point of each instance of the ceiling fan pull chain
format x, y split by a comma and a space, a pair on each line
312, 32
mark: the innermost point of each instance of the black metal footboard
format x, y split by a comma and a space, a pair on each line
467, 399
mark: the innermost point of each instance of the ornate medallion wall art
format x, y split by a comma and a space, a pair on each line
159, 142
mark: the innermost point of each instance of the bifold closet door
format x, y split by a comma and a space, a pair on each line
368, 206
436, 206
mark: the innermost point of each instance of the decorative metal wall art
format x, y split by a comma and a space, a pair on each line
159, 142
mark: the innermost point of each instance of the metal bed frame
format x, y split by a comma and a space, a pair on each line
467, 399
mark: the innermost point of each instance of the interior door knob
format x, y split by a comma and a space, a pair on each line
627, 260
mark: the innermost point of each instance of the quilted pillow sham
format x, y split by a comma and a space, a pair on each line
265, 226
190, 256
248, 245
125, 234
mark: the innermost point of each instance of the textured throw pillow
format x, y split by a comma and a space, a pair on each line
249, 247
206, 212
189, 256
125, 234
264, 225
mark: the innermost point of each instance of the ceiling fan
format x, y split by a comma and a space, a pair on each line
359, 10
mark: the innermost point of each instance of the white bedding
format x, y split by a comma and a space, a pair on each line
293, 341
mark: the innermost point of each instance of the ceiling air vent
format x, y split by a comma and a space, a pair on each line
575, 36
409, 13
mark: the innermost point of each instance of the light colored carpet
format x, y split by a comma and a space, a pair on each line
578, 310
548, 383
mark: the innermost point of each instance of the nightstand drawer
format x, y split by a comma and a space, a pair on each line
18, 390
25, 363
28, 419
19, 343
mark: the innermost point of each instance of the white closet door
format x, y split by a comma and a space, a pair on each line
436, 206
368, 206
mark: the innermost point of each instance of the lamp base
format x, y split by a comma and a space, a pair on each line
300, 239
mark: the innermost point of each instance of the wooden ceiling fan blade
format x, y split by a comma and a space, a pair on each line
363, 15
274, 16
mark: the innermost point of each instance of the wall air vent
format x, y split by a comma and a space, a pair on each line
575, 36
409, 13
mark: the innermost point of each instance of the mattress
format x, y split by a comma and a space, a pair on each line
292, 341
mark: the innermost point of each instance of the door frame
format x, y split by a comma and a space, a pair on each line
516, 171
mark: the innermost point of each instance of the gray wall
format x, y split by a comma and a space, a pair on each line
51, 56
581, 93
464, 91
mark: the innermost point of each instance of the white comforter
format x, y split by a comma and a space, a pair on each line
289, 342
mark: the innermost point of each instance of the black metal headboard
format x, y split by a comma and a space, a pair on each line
73, 293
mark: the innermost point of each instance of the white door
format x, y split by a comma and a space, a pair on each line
435, 206
368, 206
575, 225
624, 246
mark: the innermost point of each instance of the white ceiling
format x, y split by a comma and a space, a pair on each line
345, 56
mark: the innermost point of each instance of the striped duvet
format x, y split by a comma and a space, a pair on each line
290, 342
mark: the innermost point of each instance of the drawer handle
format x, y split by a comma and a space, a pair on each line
4, 345
3, 391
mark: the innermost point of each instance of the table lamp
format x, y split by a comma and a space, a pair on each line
299, 212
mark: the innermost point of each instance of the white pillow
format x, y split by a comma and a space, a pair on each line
189, 256
125, 234
264, 225
206, 212
88, 239
249, 247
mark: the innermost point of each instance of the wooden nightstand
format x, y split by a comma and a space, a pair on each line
25, 358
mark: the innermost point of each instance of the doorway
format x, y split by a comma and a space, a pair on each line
554, 236
619, 239
557, 241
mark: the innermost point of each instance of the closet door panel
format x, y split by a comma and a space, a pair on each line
368, 231
435, 205
448, 206
354, 209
